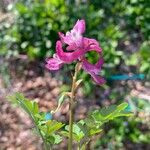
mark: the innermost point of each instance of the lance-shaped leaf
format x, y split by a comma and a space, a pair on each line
77, 132
78, 83
29, 106
109, 113
61, 100
58, 138
53, 126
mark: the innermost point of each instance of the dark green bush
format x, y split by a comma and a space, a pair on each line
114, 24
37, 24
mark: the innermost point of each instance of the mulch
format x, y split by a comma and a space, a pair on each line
38, 84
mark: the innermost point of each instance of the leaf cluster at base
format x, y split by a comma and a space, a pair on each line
83, 130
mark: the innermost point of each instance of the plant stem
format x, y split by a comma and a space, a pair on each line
71, 118
44, 142
71, 107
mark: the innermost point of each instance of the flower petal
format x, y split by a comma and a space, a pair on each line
68, 57
99, 63
93, 70
62, 36
80, 26
74, 38
98, 79
54, 63
92, 44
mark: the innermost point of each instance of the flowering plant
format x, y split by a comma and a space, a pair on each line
51, 131
77, 47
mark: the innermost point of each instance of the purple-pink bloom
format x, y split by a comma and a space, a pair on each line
77, 47
54, 63
69, 57
74, 38
93, 70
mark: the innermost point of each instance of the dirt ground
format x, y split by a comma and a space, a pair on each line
44, 87
15, 125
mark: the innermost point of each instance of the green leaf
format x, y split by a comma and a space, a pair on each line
78, 83
53, 126
77, 132
43, 129
94, 131
35, 107
66, 134
108, 110
40, 116
91, 126
27, 105
83, 128
109, 113
50, 139
58, 138
122, 106
60, 101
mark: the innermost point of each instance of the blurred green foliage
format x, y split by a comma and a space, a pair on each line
133, 130
125, 130
142, 59
35, 27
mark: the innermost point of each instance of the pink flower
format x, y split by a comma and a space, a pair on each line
54, 63
69, 57
74, 38
77, 47
94, 70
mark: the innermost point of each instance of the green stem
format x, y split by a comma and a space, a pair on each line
44, 142
71, 118
71, 107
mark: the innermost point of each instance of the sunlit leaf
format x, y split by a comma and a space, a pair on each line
61, 100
